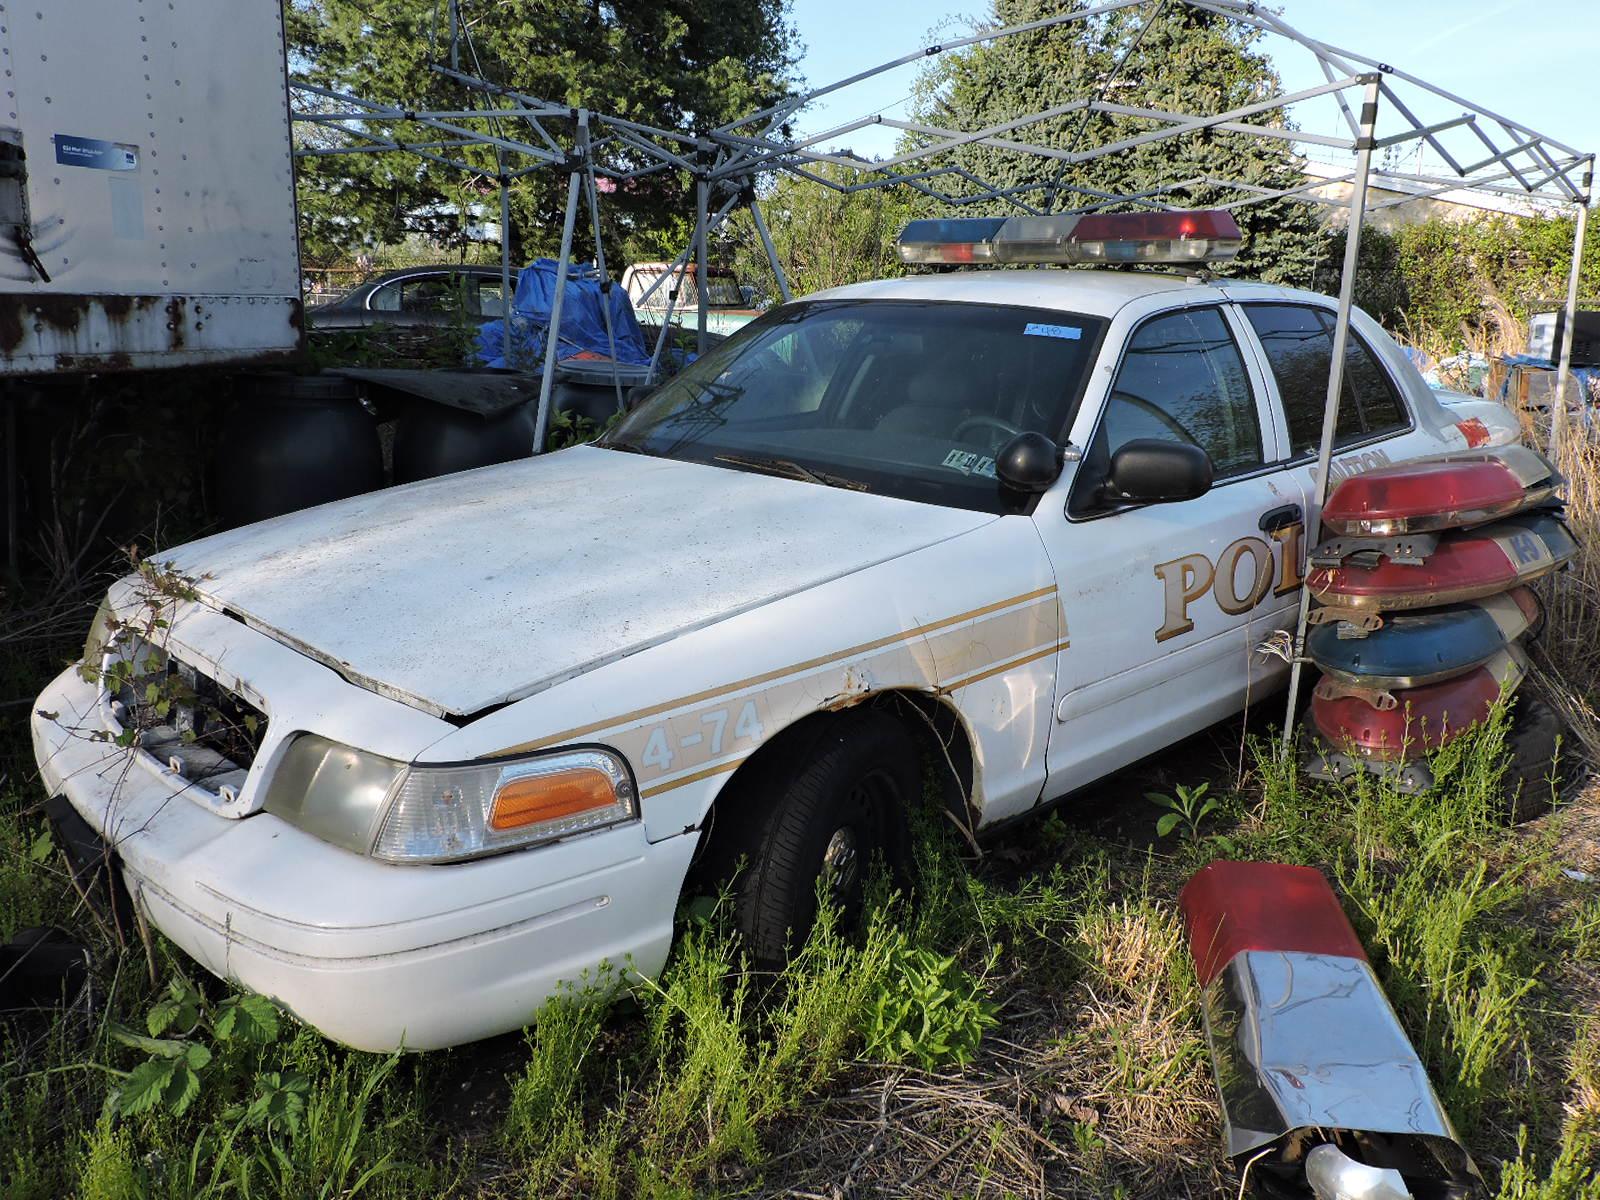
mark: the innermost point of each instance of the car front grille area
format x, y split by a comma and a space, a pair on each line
188, 722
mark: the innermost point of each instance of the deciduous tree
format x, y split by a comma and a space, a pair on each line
675, 64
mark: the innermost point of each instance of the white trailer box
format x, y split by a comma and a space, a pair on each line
147, 210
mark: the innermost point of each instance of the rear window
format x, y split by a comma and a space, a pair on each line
1298, 340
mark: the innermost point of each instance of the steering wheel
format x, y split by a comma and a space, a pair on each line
985, 421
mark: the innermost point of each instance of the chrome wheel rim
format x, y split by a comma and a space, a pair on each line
841, 864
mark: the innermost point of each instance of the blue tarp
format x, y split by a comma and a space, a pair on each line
583, 322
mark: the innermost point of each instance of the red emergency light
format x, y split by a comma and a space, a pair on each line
1231, 907
1192, 236
1422, 718
1444, 493
1467, 564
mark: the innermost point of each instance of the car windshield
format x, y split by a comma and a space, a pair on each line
722, 291
905, 398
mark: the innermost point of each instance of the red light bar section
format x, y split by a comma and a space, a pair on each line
1426, 495
1231, 907
1157, 226
1423, 719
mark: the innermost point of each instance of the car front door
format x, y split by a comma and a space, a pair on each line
1165, 604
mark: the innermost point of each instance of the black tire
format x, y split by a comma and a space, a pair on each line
840, 788
1544, 759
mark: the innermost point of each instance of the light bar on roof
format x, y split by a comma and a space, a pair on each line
1199, 235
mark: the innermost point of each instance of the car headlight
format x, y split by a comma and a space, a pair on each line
100, 635
428, 814
332, 791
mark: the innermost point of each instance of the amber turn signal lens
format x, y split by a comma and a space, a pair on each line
538, 798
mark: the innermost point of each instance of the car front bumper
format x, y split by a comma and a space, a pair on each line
372, 955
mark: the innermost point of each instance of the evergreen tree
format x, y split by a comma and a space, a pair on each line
675, 64
1174, 58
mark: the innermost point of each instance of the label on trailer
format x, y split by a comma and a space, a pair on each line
1035, 329
100, 155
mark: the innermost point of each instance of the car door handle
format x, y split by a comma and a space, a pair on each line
1281, 518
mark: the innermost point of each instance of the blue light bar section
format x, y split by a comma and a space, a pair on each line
946, 230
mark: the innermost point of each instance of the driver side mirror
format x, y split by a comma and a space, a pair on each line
1152, 471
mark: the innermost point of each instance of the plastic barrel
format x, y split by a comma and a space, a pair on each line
435, 439
293, 441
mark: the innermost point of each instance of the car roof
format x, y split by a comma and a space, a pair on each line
435, 269
1096, 291
712, 269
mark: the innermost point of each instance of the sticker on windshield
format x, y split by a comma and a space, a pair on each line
1035, 329
970, 463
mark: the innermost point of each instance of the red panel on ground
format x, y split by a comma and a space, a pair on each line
1230, 907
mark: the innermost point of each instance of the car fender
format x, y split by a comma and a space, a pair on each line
973, 620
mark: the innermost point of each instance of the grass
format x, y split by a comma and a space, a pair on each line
1093, 1080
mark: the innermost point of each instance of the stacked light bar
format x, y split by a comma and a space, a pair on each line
1200, 235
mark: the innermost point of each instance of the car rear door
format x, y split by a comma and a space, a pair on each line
1164, 604
1292, 340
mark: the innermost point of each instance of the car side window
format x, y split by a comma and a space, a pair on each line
485, 300
1298, 340
386, 298
1182, 379
429, 294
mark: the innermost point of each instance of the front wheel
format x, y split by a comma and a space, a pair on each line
826, 807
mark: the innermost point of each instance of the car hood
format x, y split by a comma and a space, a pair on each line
472, 590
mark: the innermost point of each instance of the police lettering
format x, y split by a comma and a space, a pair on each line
1239, 580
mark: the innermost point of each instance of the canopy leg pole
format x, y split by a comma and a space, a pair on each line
772, 253
1330, 409
666, 319
702, 202
1558, 407
505, 265
600, 265
541, 427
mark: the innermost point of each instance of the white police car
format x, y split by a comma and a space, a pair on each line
1025, 525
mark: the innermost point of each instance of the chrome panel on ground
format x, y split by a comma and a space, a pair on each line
1308, 1042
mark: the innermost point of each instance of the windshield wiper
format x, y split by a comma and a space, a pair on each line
790, 469
627, 447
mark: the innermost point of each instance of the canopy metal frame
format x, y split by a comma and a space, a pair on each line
1481, 151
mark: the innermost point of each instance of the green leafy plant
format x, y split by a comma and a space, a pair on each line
1188, 808
574, 429
929, 1009
183, 1040
279, 1102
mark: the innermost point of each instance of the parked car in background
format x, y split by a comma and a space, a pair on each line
416, 296
729, 306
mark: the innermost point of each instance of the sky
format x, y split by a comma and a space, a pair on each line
1534, 62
